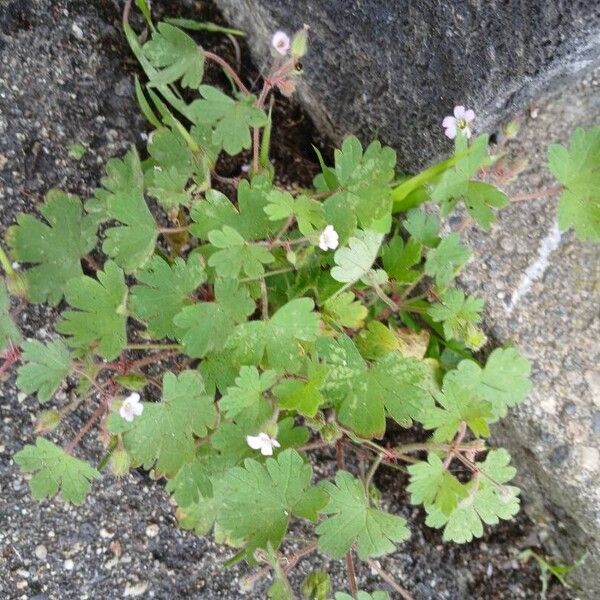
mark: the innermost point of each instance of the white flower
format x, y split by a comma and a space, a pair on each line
281, 42
329, 239
462, 120
263, 442
131, 407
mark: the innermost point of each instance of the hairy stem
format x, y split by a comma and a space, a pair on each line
372, 471
88, 424
227, 68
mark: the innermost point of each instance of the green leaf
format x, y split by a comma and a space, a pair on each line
364, 391
460, 316
279, 338
505, 379
308, 213
431, 484
354, 262
345, 311
132, 244
456, 183
166, 290
355, 523
399, 258
44, 368
423, 227
446, 260
364, 194
246, 396
488, 501
237, 255
55, 247
577, 169
177, 55
101, 316
163, 435
459, 401
76, 151
316, 585
208, 325
232, 118
304, 397
194, 25
174, 166
256, 501
250, 221
481, 199
9, 332
503, 382
55, 470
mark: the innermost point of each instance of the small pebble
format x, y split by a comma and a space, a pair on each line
135, 589
21, 396
41, 552
68, 565
77, 31
152, 530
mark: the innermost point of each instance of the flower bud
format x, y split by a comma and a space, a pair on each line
300, 42
47, 420
120, 462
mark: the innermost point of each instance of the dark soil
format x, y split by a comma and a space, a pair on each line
58, 87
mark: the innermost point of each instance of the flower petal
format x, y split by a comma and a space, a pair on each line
255, 442
469, 115
459, 112
267, 450
450, 132
449, 122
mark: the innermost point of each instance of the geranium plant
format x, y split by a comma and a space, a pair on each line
281, 325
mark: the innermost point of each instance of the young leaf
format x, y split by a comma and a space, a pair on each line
175, 165
345, 310
279, 337
503, 382
246, 396
460, 316
166, 290
256, 501
444, 261
8, 330
132, 244
177, 55
237, 255
55, 470
44, 368
488, 501
355, 522
102, 314
577, 169
163, 435
303, 396
456, 184
400, 258
232, 118
316, 585
364, 392
208, 325
250, 221
423, 227
460, 401
354, 262
364, 194
56, 247
431, 484
308, 212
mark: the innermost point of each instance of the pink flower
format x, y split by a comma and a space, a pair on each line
281, 42
461, 120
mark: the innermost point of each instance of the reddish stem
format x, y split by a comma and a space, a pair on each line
227, 68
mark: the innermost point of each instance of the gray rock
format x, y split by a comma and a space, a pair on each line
395, 69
